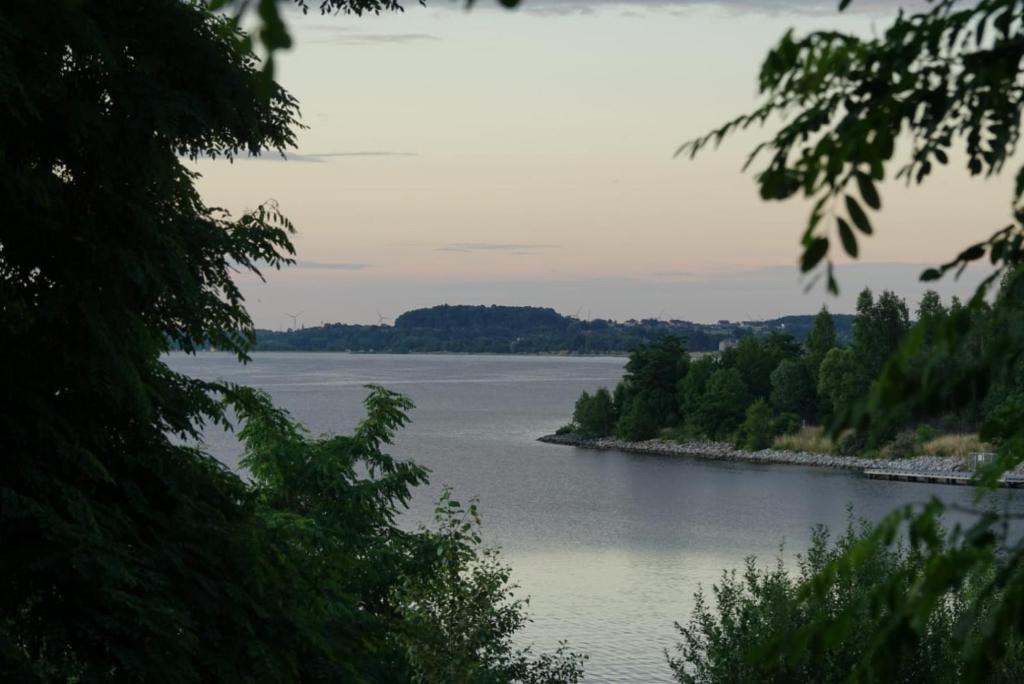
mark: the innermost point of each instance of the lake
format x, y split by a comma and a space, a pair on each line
610, 546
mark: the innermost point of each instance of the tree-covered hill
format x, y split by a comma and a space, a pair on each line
522, 330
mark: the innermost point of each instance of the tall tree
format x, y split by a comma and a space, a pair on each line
755, 357
127, 553
930, 306
793, 390
723, 405
124, 551
654, 370
819, 342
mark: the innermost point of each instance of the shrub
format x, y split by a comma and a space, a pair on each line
903, 445
787, 424
461, 616
727, 641
925, 433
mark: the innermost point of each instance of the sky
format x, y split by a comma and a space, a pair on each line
526, 157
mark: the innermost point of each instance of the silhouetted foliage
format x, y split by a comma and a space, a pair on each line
727, 640
944, 75
128, 553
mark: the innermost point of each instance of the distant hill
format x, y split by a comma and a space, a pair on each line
522, 330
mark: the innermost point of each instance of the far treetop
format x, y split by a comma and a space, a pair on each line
525, 330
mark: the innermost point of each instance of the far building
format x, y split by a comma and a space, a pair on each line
727, 343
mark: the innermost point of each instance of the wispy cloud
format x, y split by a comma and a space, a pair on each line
321, 157
330, 266
339, 33
496, 247
562, 7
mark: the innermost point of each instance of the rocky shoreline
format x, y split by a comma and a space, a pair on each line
723, 451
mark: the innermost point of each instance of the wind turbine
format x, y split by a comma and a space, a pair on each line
295, 319
381, 318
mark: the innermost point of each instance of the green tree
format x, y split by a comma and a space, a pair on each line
820, 341
128, 553
124, 550
655, 369
595, 415
757, 356
878, 331
690, 393
793, 390
757, 430
839, 381
942, 76
639, 419
930, 307
723, 404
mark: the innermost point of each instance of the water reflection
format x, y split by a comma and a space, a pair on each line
611, 546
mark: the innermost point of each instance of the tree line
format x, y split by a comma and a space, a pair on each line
772, 384
517, 330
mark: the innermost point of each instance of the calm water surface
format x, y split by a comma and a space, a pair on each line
610, 546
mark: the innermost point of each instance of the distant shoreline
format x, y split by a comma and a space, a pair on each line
565, 354
927, 466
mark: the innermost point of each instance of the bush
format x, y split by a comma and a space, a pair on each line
727, 641
787, 424
757, 430
461, 616
925, 433
853, 443
903, 445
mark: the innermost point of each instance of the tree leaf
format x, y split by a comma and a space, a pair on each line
858, 216
868, 191
849, 240
813, 253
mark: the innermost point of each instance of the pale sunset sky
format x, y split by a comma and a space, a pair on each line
526, 157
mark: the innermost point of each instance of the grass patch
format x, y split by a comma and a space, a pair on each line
957, 444
809, 438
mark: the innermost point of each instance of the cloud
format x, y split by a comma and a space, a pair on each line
673, 274
371, 38
818, 7
330, 266
321, 157
337, 32
503, 248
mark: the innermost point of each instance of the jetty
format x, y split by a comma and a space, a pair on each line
952, 478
